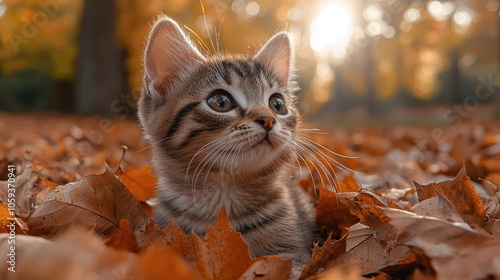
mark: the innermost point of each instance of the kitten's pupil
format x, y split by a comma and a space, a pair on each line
220, 101
277, 104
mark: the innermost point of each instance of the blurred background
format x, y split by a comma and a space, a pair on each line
420, 61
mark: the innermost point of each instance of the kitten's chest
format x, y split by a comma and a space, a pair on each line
200, 208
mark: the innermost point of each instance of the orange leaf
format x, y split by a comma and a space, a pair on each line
164, 263
139, 181
223, 254
123, 239
332, 214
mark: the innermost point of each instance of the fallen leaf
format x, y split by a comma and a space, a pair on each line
74, 255
369, 205
455, 250
139, 182
426, 191
24, 185
123, 239
332, 214
95, 201
221, 255
270, 268
324, 257
8, 223
438, 207
163, 263
338, 273
462, 196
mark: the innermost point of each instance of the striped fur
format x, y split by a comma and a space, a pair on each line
204, 158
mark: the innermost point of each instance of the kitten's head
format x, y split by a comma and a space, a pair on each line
216, 113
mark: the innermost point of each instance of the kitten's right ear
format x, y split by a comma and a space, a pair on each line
168, 53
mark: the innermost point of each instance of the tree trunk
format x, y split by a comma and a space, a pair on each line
100, 78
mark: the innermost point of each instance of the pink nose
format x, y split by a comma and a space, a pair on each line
266, 122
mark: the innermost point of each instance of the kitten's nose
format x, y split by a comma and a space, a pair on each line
266, 122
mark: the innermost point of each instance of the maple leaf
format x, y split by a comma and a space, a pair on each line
95, 201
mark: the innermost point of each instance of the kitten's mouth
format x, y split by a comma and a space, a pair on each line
263, 141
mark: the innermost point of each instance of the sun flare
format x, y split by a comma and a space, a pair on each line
331, 29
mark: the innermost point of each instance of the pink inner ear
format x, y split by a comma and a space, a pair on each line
276, 56
168, 53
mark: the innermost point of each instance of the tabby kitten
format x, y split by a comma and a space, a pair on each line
220, 127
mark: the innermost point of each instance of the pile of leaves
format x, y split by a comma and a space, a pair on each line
401, 215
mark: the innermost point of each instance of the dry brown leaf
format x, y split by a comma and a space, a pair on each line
270, 268
50, 185
365, 252
123, 239
426, 191
361, 250
456, 251
95, 201
163, 263
462, 196
349, 184
75, 255
324, 257
437, 207
369, 204
492, 208
24, 188
493, 179
139, 182
332, 214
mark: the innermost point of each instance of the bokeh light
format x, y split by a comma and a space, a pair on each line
331, 30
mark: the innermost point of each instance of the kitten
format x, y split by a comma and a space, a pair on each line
220, 129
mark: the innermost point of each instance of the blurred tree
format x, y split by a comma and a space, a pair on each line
37, 53
101, 78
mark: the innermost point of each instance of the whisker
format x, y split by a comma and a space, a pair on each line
206, 24
312, 146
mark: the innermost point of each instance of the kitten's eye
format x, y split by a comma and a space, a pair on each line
221, 101
277, 104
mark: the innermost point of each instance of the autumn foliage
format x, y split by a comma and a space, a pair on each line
400, 216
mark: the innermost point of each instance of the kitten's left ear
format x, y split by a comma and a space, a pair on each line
277, 56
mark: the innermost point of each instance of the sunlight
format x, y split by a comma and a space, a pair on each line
331, 30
